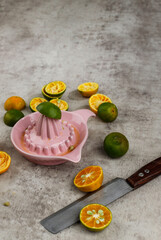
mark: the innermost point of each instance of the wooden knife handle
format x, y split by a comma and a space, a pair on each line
145, 174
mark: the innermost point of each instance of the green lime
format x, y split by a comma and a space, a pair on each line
107, 111
116, 144
49, 110
12, 116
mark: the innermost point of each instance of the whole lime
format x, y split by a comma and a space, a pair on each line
116, 145
12, 116
107, 111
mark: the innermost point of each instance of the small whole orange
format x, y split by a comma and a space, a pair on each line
14, 102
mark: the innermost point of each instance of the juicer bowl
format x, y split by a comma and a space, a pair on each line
78, 119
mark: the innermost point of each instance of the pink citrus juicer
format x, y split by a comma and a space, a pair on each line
49, 141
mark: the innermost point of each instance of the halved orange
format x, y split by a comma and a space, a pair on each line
5, 161
55, 88
63, 105
96, 99
89, 179
95, 217
35, 102
88, 89
47, 96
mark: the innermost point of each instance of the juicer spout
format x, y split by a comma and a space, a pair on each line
85, 114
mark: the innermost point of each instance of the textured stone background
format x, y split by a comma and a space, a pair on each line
115, 43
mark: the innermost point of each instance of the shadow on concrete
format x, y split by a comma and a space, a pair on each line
75, 95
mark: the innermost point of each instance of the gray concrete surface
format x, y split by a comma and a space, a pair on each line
118, 45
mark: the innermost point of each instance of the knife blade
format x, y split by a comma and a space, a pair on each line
108, 193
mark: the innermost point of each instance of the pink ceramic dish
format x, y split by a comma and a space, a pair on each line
77, 118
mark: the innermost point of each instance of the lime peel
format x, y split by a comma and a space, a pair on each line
49, 110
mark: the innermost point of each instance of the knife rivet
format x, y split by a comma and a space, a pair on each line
141, 174
146, 170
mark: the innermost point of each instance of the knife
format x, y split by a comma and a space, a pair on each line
106, 194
